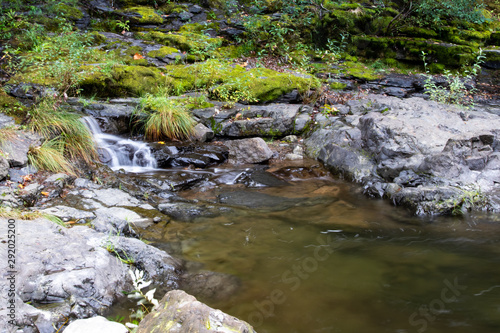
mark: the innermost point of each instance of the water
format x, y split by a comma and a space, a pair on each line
336, 261
119, 153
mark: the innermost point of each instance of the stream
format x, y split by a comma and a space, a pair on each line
304, 251
313, 254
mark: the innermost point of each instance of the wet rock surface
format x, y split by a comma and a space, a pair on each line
180, 312
416, 152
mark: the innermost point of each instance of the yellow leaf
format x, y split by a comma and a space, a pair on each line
45, 193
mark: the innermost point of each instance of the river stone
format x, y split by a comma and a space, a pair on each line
187, 212
16, 148
202, 133
4, 167
68, 213
180, 312
96, 324
113, 118
115, 197
254, 150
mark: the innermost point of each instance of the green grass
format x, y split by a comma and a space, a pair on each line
166, 118
50, 157
51, 122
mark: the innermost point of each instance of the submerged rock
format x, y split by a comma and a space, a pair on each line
182, 313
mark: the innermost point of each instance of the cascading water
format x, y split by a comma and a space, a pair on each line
119, 153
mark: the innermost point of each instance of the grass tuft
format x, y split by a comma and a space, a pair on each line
50, 157
166, 119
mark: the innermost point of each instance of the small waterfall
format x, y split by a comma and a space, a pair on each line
119, 153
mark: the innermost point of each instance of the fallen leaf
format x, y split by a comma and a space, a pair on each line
138, 56
45, 193
161, 142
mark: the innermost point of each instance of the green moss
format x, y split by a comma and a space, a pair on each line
359, 71
68, 12
124, 81
338, 85
418, 32
162, 52
148, 15
195, 43
12, 107
261, 83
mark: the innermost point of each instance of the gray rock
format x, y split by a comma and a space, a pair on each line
16, 148
113, 117
115, 197
185, 16
302, 122
59, 179
16, 174
6, 121
202, 133
266, 120
397, 139
254, 150
182, 313
69, 213
4, 167
75, 272
95, 325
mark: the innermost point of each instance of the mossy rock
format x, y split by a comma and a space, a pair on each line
147, 15
12, 107
68, 12
418, 32
162, 52
338, 85
186, 41
359, 71
124, 81
263, 84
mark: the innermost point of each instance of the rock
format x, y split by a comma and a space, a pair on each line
95, 325
115, 197
16, 148
185, 16
68, 213
4, 167
210, 286
59, 179
188, 212
389, 141
125, 214
254, 150
6, 121
182, 313
114, 118
74, 273
182, 154
202, 133
16, 174
266, 120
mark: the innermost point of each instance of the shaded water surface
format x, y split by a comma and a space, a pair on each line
314, 255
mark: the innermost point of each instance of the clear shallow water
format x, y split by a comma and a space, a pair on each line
336, 261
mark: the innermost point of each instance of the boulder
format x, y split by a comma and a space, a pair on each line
254, 150
185, 154
6, 121
4, 167
202, 133
96, 324
386, 140
75, 272
179, 312
16, 148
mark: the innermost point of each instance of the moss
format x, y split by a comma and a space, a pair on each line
418, 32
68, 12
262, 83
162, 52
198, 44
338, 85
97, 38
12, 107
124, 81
148, 15
359, 71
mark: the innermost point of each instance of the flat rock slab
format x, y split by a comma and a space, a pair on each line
95, 325
182, 313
